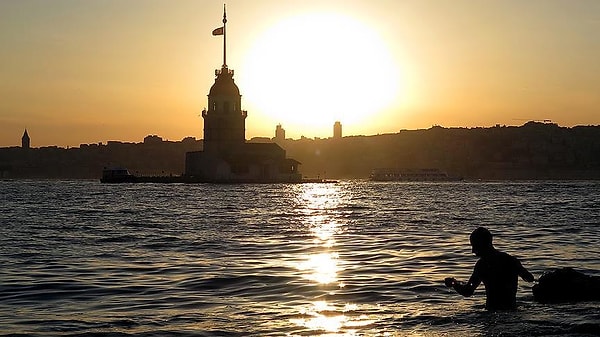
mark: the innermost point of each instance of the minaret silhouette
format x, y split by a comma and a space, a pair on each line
224, 120
25, 140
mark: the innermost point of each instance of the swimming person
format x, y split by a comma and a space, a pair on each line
497, 270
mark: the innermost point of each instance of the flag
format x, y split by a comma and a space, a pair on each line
218, 31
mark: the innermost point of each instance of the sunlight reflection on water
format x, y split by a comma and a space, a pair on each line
322, 266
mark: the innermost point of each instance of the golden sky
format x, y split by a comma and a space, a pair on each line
75, 72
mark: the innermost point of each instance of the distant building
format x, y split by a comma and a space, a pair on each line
25, 140
337, 130
226, 156
279, 133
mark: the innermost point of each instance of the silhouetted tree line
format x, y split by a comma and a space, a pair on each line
532, 151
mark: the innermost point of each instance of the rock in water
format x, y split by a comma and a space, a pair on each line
566, 285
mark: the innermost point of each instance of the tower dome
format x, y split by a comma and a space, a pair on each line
224, 84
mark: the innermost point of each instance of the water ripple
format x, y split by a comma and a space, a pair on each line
356, 258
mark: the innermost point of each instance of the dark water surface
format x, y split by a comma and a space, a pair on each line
357, 258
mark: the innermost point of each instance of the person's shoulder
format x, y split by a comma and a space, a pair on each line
505, 256
509, 258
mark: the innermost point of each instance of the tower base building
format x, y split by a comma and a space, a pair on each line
250, 163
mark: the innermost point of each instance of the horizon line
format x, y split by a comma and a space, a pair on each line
434, 126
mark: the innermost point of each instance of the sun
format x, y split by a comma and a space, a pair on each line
311, 70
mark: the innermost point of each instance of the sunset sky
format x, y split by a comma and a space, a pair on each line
90, 71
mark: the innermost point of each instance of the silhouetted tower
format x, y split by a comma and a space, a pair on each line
224, 121
337, 130
25, 141
279, 133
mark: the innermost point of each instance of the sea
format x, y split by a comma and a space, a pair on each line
352, 258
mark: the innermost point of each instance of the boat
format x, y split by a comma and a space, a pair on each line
117, 175
410, 174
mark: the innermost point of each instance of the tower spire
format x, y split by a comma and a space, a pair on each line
224, 37
25, 140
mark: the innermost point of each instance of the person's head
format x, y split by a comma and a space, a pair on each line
481, 241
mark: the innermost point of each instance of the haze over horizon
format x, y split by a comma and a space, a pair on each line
75, 72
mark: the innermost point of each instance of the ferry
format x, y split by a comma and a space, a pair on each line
117, 175
397, 174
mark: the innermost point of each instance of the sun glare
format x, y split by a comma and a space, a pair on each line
309, 71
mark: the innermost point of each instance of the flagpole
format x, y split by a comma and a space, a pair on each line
224, 38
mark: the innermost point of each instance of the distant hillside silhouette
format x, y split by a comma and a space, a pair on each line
532, 151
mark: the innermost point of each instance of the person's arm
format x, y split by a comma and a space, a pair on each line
525, 275
465, 289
